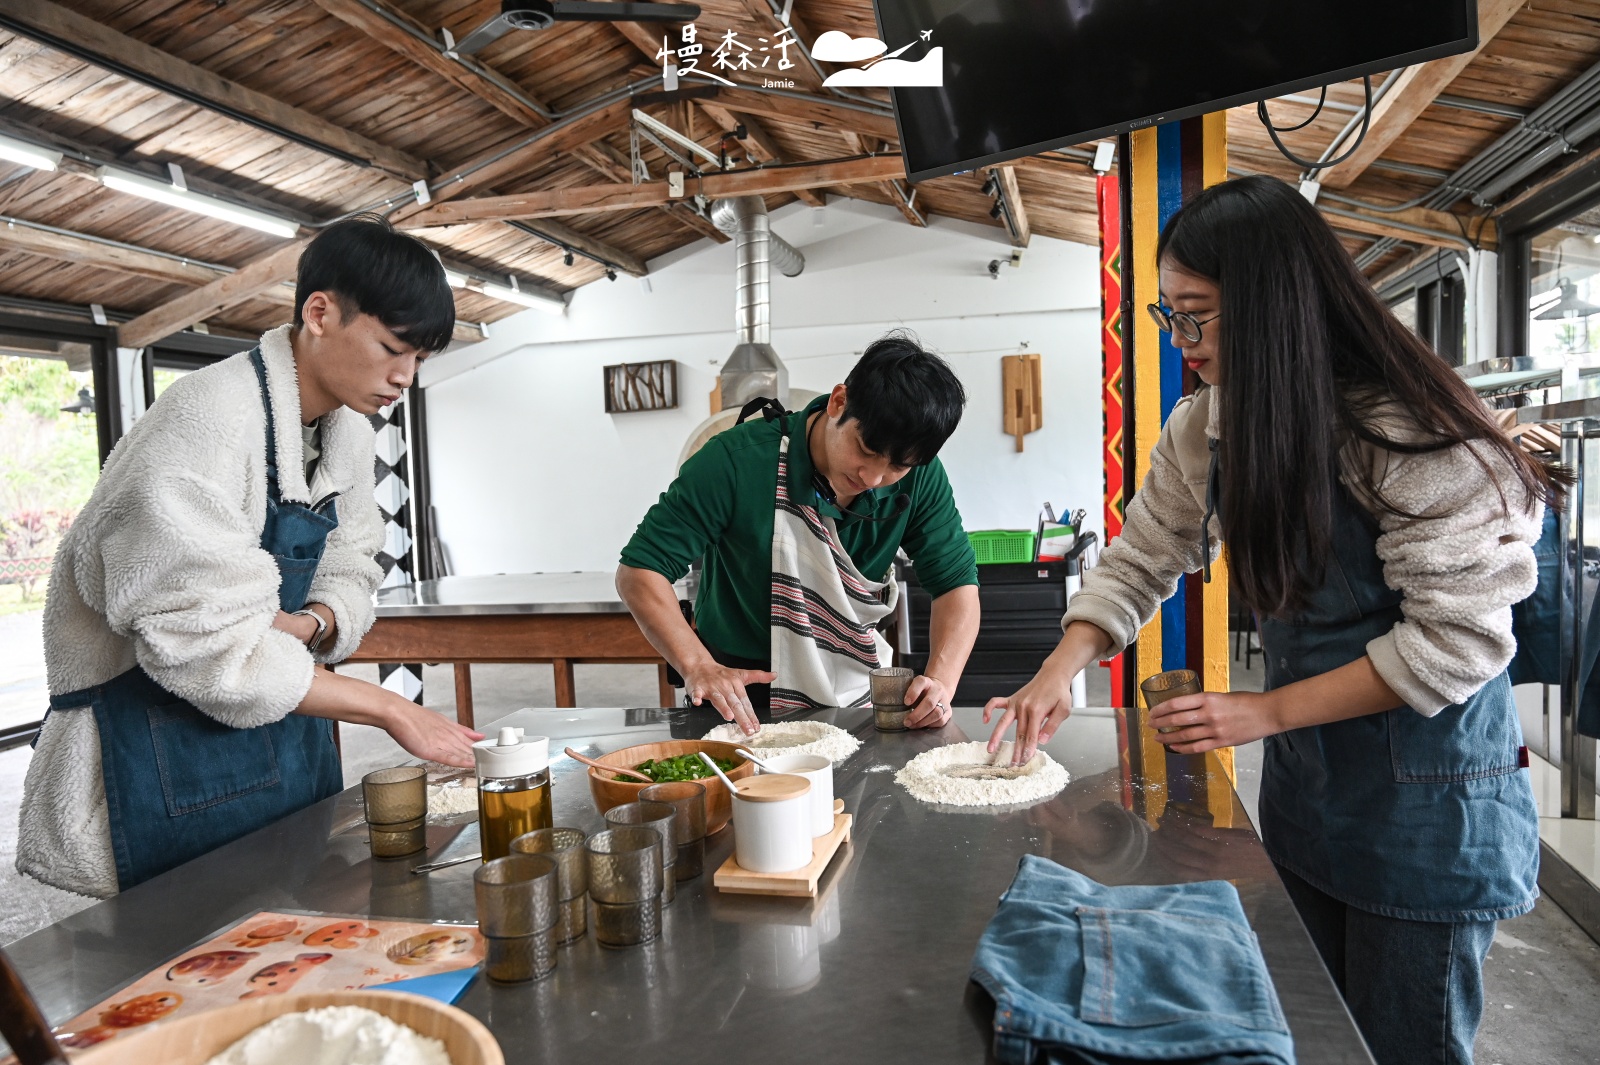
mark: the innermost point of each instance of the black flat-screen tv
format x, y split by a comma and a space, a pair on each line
1026, 76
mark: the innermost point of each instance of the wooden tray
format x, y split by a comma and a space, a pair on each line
799, 883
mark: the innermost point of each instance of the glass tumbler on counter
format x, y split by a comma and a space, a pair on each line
393, 796
624, 865
565, 847
660, 817
688, 798
396, 808
518, 916
516, 895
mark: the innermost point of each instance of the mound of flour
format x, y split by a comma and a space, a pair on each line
791, 737
453, 799
938, 776
334, 1035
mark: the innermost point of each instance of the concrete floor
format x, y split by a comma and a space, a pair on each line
1542, 979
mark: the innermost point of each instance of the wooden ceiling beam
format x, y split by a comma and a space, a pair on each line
1417, 88
802, 72
627, 262
247, 282
1011, 196
386, 24
503, 161
757, 142
817, 112
93, 42
1439, 229
904, 202
86, 251
595, 199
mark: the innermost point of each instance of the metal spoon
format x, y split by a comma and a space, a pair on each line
706, 758
751, 756
432, 866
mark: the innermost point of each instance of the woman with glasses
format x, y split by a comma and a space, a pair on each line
1381, 527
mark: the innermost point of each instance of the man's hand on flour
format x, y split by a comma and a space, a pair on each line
929, 699
723, 687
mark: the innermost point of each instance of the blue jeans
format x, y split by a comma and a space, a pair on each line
1085, 973
1415, 988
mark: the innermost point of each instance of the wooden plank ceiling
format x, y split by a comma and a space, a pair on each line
311, 109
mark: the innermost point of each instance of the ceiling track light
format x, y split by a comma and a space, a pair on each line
512, 292
15, 151
173, 195
566, 259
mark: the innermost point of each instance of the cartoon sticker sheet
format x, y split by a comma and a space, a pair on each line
275, 953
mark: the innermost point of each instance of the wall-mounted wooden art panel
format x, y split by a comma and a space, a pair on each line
636, 386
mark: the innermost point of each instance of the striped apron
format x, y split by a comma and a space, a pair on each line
825, 614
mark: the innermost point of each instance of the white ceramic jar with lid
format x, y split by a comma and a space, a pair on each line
819, 771
513, 789
772, 823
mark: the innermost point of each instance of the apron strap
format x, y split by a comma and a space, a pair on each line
260, 365
770, 409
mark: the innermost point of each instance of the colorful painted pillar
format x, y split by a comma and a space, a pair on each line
1162, 166
1108, 194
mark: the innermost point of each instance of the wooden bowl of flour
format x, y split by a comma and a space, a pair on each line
197, 1039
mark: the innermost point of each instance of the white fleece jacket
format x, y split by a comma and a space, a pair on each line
163, 569
1460, 568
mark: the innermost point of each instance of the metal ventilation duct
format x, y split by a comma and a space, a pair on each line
754, 369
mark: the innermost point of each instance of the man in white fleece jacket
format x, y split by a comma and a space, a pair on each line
227, 550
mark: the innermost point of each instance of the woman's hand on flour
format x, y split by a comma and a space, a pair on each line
1038, 708
1210, 720
429, 735
723, 687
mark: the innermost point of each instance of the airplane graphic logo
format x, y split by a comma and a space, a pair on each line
889, 71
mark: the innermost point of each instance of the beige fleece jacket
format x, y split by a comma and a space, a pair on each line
163, 569
1460, 568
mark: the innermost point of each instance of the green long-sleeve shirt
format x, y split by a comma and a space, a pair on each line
721, 506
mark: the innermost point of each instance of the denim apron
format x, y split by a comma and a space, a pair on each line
1412, 817
179, 783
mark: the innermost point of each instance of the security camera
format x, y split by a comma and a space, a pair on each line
994, 269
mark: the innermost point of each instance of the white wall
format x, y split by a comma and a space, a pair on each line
530, 473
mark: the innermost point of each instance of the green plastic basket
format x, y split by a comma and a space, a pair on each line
1002, 545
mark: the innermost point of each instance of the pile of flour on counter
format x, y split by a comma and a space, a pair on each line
334, 1035
791, 737
453, 798
937, 776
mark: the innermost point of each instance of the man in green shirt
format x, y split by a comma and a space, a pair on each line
798, 571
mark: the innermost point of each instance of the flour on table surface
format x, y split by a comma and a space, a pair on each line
453, 798
791, 737
965, 774
334, 1035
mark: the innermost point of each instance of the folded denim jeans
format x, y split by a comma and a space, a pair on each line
1081, 972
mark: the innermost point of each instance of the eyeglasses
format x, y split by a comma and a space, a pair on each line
1186, 324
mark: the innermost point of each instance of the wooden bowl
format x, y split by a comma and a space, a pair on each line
195, 1039
609, 791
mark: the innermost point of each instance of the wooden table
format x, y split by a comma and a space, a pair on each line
560, 618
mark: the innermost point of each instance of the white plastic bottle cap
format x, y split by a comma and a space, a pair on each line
511, 754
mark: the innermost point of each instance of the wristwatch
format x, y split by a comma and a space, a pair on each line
322, 627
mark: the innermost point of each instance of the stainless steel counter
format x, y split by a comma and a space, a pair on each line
874, 970
581, 592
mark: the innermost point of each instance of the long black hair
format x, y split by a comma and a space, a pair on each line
1307, 353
